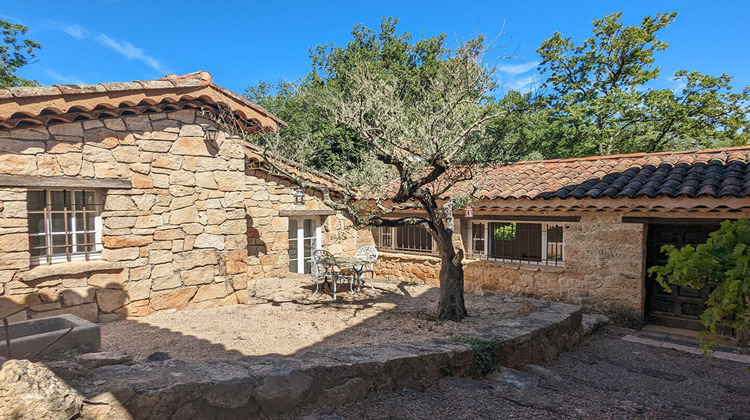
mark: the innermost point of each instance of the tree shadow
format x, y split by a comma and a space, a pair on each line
364, 320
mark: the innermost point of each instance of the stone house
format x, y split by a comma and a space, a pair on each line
585, 230
119, 199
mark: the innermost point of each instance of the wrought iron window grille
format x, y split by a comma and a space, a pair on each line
64, 225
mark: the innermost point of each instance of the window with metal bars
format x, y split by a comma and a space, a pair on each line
406, 238
64, 225
531, 243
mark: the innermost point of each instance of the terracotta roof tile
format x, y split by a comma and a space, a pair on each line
196, 86
714, 173
78, 89
156, 84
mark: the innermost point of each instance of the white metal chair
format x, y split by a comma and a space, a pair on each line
368, 253
324, 265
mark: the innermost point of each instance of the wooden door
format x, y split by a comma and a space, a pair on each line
681, 308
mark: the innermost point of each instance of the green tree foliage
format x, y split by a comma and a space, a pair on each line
415, 113
15, 53
600, 98
332, 145
723, 264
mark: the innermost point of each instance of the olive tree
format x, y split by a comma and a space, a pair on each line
419, 112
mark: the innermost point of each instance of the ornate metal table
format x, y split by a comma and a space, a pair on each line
356, 265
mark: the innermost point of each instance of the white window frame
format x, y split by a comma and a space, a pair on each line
50, 257
301, 240
391, 232
485, 253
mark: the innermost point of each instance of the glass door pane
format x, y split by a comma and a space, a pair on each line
310, 242
293, 245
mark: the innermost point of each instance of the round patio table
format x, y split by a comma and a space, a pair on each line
357, 266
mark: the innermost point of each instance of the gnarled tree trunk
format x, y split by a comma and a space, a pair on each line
451, 306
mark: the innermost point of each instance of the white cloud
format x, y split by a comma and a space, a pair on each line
678, 84
524, 84
515, 69
66, 80
73, 30
123, 48
131, 52
76, 31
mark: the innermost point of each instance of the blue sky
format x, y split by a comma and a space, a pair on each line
242, 42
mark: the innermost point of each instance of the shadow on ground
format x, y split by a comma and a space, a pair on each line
283, 332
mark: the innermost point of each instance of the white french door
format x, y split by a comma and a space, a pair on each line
304, 239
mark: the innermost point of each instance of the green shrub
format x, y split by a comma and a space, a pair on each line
486, 354
723, 264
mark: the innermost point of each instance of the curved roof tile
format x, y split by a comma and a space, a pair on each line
688, 174
168, 89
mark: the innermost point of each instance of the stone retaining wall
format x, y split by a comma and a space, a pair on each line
268, 385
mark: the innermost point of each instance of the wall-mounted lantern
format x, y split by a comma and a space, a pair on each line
299, 196
469, 211
210, 132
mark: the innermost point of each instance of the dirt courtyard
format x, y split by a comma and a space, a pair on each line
283, 317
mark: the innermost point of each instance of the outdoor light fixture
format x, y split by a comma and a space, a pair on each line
469, 211
299, 196
209, 132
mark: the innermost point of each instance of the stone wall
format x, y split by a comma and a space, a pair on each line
268, 385
178, 238
268, 232
603, 269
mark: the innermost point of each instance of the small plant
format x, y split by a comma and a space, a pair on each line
486, 354
505, 231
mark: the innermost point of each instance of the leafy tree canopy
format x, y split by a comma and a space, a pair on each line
333, 144
600, 100
15, 53
385, 55
416, 115
598, 97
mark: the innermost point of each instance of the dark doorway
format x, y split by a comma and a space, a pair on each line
681, 308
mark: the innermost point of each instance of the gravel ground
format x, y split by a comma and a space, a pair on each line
604, 378
284, 318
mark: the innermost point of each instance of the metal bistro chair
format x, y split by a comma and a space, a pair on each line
324, 265
368, 253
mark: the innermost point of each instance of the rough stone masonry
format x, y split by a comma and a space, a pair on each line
188, 233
